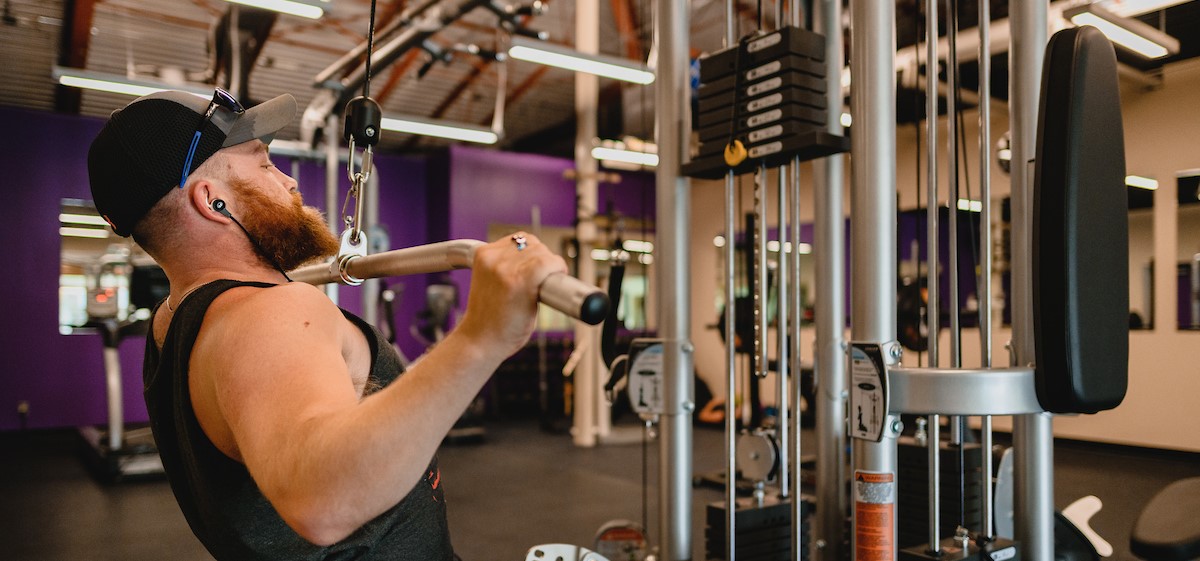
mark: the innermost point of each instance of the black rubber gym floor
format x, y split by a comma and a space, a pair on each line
520, 488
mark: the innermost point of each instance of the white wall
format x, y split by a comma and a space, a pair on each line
1162, 136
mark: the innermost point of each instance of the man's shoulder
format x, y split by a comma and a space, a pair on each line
268, 307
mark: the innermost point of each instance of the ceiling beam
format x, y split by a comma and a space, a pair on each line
77, 33
627, 28
466, 83
158, 16
527, 85
463, 86
398, 72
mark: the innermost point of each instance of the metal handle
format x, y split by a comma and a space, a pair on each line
560, 291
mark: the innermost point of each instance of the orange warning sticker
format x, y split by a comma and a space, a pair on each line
874, 516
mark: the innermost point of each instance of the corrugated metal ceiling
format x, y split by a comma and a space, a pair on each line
158, 39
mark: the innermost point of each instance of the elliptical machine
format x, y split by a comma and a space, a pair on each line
115, 453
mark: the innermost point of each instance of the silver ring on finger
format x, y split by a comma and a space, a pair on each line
520, 240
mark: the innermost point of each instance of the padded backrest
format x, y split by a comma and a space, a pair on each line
1080, 229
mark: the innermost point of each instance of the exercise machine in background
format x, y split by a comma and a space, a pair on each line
430, 326
116, 453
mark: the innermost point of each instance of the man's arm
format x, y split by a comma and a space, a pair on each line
328, 461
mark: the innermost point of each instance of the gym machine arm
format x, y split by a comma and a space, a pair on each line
560, 291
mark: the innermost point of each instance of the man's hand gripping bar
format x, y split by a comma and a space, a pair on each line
560, 291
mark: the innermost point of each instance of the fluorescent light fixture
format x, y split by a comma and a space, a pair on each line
440, 129
846, 119
1130, 8
626, 156
637, 246
68, 231
646, 259
973, 206
1129, 33
89, 219
543, 52
1004, 154
1141, 182
601, 254
310, 10
115, 83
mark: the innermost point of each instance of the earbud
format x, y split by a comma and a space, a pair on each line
219, 206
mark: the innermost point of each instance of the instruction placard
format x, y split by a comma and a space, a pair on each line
645, 381
868, 391
874, 515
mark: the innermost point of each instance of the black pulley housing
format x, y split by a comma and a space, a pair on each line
363, 116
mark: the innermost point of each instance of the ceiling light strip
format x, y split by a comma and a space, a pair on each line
627, 156
440, 129
558, 56
290, 7
1141, 182
115, 83
1129, 33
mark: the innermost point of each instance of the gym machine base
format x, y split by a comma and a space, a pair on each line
964, 547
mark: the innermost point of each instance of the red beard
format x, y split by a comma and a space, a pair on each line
291, 235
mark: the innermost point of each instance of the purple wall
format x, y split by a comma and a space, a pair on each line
43, 159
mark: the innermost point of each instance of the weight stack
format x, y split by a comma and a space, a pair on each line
768, 92
763, 532
913, 490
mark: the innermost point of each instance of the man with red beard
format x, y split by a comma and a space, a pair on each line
283, 422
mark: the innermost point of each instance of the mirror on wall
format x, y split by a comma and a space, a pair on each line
1140, 191
102, 276
1141, 251
1187, 267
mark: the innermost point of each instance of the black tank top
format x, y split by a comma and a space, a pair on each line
221, 502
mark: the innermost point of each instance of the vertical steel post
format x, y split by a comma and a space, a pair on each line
931, 175
1032, 434
114, 393
932, 250
830, 360
952, 197
730, 367
332, 171
587, 91
873, 198
797, 371
985, 244
782, 373
730, 332
760, 273
672, 128
370, 287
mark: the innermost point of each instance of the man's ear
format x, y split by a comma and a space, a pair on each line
201, 196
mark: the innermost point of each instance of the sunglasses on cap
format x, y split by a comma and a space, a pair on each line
221, 98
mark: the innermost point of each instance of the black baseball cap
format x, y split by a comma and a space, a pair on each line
140, 154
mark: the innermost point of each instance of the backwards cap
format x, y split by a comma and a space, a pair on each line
139, 155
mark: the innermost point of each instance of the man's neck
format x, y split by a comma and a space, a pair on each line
188, 277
